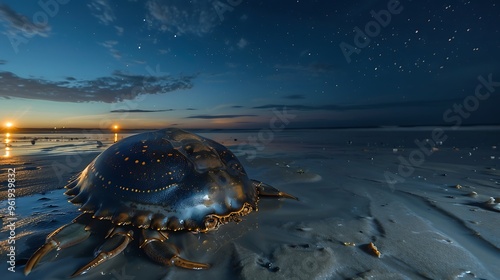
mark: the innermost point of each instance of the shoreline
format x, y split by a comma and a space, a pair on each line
434, 224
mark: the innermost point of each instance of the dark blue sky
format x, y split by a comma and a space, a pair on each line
227, 64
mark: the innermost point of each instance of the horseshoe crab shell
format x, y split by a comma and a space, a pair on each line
168, 179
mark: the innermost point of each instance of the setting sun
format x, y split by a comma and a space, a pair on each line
8, 124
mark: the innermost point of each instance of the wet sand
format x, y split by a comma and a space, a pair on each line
430, 222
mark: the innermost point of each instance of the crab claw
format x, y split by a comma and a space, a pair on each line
166, 253
264, 189
63, 237
117, 242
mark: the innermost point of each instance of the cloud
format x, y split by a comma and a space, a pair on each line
295, 96
136, 61
139, 111
294, 107
218, 116
119, 30
101, 9
2, 61
17, 23
164, 51
196, 17
242, 43
332, 107
117, 87
110, 45
312, 68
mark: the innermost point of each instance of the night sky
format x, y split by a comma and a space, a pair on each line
239, 63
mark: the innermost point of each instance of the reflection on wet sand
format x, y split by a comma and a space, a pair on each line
13, 143
115, 129
8, 144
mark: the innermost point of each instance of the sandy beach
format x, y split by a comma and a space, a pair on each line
373, 204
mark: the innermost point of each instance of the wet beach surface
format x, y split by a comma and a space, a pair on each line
425, 212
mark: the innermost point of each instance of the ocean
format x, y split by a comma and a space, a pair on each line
420, 196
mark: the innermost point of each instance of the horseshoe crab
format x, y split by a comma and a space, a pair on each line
153, 183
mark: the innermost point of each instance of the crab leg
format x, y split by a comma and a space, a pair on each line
166, 253
264, 189
63, 237
115, 243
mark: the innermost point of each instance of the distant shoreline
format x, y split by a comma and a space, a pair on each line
139, 130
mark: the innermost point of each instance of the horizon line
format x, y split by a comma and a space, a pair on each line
222, 128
